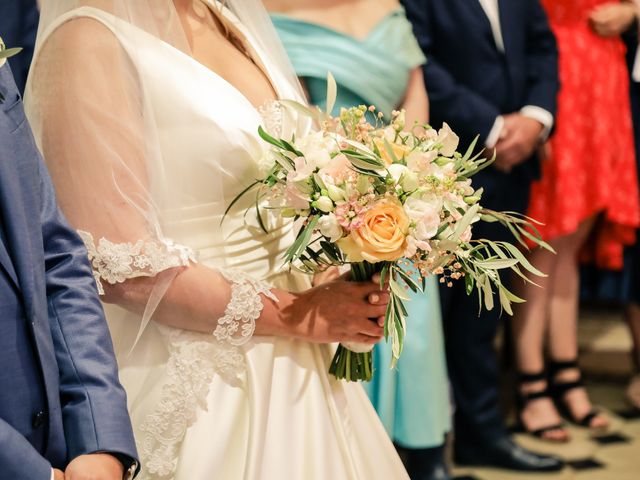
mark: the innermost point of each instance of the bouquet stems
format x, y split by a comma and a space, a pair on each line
348, 365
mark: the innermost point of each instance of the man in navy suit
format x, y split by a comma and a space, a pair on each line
62, 408
491, 71
19, 25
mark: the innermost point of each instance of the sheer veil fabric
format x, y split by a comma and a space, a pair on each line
147, 147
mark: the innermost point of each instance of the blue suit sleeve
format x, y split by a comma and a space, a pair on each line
18, 458
542, 60
448, 98
94, 406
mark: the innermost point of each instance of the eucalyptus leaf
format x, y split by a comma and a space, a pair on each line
332, 92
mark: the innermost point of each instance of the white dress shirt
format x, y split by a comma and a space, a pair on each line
492, 10
635, 72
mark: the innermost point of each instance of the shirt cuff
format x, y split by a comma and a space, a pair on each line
494, 133
541, 115
52, 478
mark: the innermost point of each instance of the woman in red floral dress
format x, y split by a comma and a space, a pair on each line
587, 200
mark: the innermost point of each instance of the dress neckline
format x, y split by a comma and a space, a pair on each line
362, 40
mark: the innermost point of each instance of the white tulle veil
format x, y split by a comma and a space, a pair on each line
93, 119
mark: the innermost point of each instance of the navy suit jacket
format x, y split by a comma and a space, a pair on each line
59, 391
470, 82
18, 28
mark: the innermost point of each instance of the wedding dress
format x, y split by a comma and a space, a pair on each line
229, 405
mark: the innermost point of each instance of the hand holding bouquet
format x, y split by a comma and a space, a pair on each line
382, 198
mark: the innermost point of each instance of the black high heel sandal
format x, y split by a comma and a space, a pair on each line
560, 388
522, 399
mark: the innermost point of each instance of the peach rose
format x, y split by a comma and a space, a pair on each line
400, 151
382, 236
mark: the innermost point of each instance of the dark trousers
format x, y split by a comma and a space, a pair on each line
470, 335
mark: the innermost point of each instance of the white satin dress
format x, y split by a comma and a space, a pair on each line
262, 408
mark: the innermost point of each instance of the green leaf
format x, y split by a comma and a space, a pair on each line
235, 200
332, 92
471, 148
397, 289
408, 279
302, 241
487, 290
464, 222
504, 300
497, 263
522, 260
269, 139
258, 215
9, 52
313, 113
469, 283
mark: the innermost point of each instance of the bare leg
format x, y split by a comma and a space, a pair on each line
530, 323
563, 324
633, 319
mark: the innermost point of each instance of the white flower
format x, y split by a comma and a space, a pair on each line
317, 148
330, 228
324, 204
303, 169
266, 161
448, 139
407, 179
335, 193
421, 162
414, 245
425, 214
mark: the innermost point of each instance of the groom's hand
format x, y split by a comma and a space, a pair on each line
58, 474
96, 466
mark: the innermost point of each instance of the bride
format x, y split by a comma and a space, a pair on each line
147, 113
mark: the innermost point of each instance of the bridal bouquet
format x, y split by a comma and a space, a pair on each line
383, 198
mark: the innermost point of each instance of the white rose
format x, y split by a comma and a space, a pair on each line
407, 179
448, 139
324, 204
426, 216
330, 228
396, 170
316, 148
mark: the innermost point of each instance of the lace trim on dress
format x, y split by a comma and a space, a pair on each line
238, 323
117, 262
194, 360
271, 113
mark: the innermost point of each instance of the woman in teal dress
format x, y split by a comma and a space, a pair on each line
380, 66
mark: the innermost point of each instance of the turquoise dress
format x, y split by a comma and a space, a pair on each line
412, 400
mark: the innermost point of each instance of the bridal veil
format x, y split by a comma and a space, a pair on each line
93, 119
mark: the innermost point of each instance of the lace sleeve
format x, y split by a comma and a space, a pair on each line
238, 323
118, 262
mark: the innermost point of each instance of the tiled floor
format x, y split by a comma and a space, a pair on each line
604, 343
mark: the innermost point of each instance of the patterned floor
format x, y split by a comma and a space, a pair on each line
604, 344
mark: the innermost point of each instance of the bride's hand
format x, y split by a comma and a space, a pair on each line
338, 311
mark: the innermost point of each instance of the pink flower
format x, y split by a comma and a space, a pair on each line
339, 169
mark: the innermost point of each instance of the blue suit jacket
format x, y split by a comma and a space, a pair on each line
59, 391
18, 28
470, 82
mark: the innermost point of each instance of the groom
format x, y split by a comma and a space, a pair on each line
491, 71
61, 405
